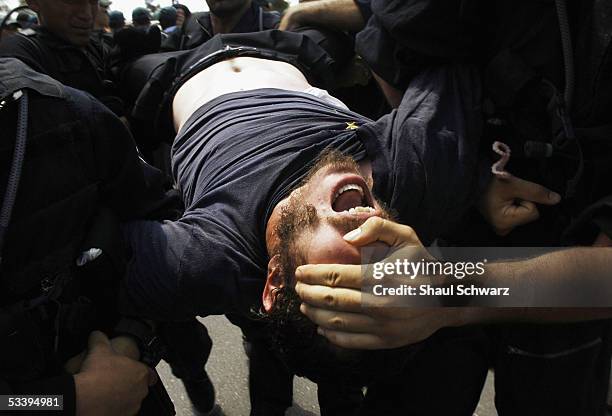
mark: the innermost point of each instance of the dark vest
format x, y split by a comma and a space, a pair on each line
87, 69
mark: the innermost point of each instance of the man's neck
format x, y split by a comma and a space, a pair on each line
227, 24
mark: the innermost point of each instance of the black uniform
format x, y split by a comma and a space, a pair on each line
198, 28
80, 174
560, 369
86, 69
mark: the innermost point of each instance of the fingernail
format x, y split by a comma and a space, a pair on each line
554, 197
353, 234
303, 308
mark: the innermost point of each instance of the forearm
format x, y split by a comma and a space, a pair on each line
333, 14
574, 277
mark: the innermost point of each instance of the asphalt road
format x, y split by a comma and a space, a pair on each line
227, 367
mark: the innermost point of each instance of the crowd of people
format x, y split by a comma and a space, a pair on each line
235, 161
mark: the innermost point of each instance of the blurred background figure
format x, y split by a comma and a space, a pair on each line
272, 5
227, 16
141, 18
101, 24
26, 20
116, 20
182, 13
167, 19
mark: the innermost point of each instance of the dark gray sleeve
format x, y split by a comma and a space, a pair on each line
431, 144
403, 37
179, 270
151, 287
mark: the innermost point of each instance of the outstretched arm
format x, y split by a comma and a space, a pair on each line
333, 299
342, 15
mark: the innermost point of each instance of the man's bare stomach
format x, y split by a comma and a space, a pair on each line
232, 75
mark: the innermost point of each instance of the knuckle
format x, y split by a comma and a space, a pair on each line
329, 300
376, 223
336, 322
333, 278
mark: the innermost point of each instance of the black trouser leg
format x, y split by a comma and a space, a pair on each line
445, 377
336, 399
188, 347
552, 369
270, 383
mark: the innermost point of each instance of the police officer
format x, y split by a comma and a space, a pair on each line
69, 168
235, 16
63, 48
116, 20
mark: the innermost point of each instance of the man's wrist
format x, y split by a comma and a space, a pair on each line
85, 390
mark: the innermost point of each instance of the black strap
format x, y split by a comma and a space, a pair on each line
16, 166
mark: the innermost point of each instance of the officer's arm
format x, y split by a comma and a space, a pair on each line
343, 15
333, 297
131, 187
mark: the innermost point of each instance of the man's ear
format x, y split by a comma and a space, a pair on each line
274, 281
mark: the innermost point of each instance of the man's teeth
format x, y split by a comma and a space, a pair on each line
357, 210
349, 187
354, 187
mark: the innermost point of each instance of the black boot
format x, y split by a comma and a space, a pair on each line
201, 392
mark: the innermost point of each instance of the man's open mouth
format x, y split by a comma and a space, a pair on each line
352, 195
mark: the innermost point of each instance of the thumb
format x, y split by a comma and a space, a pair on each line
530, 191
379, 229
99, 343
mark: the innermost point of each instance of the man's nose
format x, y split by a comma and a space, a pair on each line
85, 11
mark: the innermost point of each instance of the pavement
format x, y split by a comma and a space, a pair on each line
227, 367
